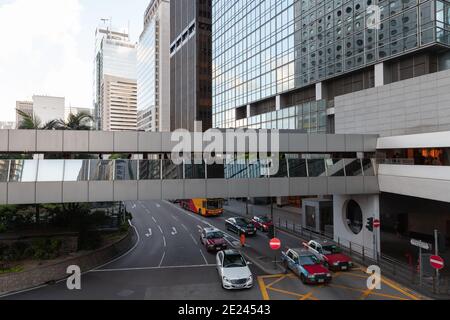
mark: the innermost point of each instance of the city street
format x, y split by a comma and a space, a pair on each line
169, 263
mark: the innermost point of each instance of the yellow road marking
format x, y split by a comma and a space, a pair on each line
307, 296
398, 288
275, 282
372, 293
298, 295
263, 289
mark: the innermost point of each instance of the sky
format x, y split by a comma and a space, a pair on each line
47, 47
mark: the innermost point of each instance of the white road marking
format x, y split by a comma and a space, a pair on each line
158, 205
160, 229
184, 227
204, 258
201, 220
162, 260
193, 239
149, 234
165, 243
174, 231
154, 220
148, 211
175, 218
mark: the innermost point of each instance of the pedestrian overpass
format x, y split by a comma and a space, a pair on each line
310, 165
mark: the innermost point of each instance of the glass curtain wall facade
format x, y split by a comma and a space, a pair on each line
264, 48
147, 78
115, 56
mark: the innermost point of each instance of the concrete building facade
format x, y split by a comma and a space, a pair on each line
190, 64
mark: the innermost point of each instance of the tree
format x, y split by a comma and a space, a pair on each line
32, 122
79, 121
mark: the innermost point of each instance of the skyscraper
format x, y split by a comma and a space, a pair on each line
348, 67
154, 69
190, 64
115, 87
282, 64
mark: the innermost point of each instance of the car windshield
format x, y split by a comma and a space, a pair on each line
234, 261
331, 249
308, 260
243, 222
214, 235
264, 219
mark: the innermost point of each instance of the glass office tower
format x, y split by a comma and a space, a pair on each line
271, 54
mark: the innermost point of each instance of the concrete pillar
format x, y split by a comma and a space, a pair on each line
370, 207
380, 74
320, 94
278, 102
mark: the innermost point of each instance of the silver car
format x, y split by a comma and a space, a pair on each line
233, 270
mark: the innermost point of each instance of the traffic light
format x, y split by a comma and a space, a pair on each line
369, 225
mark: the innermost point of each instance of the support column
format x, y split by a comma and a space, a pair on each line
370, 207
380, 75
278, 102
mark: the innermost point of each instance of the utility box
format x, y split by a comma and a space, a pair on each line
318, 215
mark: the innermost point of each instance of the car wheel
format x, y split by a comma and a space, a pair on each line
326, 265
303, 279
286, 266
200, 212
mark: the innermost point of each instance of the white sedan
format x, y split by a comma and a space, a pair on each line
233, 270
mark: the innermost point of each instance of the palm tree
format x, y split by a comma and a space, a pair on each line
31, 122
79, 121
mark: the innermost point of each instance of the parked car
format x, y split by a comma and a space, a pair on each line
233, 270
241, 226
306, 265
330, 255
262, 223
213, 239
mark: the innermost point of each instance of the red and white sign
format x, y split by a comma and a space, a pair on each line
376, 223
437, 262
275, 244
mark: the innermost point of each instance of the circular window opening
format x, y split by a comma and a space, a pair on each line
354, 217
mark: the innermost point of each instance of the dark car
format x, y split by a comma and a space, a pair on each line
262, 223
213, 239
241, 226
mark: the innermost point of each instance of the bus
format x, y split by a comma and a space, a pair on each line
204, 207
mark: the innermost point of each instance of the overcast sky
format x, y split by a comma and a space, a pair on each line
47, 47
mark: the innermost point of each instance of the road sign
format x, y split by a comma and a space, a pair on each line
275, 244
376, 223
437, 262
420, 244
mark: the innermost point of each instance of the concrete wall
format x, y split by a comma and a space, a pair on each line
428, 182
24, 141
54, 272
416, 105
370, 206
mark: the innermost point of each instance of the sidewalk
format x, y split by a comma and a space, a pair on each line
291, 215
